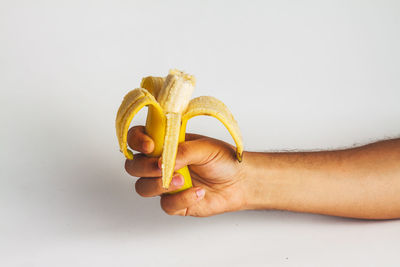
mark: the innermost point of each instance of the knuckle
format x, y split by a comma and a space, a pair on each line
131, 144
131, 166
131, 134
135, 129
128, 166
165, 206
148, 187
183, 150
138, 188
134, 135
130, 131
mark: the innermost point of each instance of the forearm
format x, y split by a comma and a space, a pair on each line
362, 182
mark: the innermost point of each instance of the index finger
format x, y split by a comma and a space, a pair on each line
138, 140
191, 136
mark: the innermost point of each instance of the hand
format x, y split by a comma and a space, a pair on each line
219, 181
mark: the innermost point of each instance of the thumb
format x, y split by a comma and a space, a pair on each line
195, 152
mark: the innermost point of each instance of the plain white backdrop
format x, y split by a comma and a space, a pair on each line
297, 75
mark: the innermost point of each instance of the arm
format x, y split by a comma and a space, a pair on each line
362, 182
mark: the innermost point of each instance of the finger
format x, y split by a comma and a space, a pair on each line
190, 136
175, 203
142, 166
151, 187
138, 140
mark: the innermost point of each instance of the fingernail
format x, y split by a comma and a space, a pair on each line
177, 180
159, 163
200, 193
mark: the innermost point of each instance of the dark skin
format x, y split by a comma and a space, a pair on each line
361, 182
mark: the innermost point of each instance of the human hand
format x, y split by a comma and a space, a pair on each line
219, 180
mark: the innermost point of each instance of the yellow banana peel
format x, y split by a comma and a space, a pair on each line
169, 108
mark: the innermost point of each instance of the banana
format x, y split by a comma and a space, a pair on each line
169, 109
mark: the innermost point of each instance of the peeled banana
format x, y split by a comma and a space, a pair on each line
169, 109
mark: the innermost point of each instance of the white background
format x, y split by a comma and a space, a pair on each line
297, 75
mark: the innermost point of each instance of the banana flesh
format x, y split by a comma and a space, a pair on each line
170, 146
170, 107
152, 84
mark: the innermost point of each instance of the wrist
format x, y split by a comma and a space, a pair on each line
262, 183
